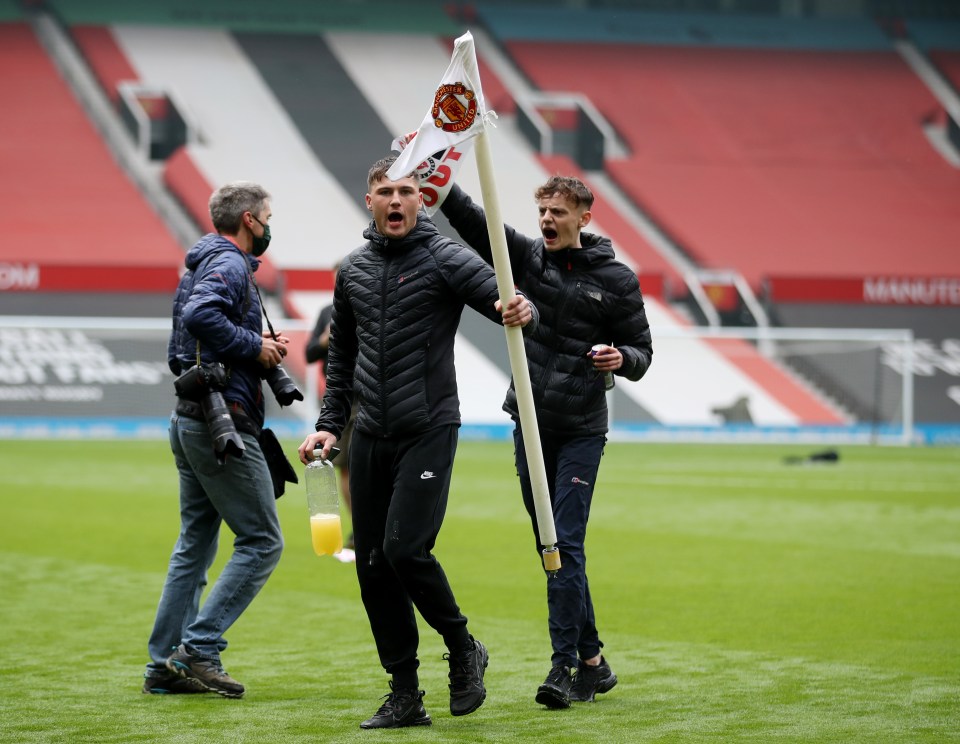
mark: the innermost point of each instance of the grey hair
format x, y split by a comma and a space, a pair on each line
229, 202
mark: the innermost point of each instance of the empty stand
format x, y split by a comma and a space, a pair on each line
331, 114
246, 135
107, 61
948, 62
69, 205
181, 176
941, 42
772, 161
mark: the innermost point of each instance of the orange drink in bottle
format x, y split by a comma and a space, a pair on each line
327, 533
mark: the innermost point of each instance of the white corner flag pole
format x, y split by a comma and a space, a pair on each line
518, 360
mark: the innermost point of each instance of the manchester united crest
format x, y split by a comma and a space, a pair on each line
454, 107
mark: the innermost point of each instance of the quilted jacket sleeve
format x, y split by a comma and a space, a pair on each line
473, 279
212, 314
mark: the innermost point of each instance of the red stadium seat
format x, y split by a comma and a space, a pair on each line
68, 203
773, 161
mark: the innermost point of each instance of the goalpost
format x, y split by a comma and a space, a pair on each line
766, 384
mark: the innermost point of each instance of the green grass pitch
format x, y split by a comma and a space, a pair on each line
740, 599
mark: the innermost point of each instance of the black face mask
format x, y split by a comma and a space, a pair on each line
260, 244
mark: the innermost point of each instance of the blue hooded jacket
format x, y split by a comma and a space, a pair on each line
209, 306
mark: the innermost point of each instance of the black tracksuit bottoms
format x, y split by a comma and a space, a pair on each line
400, 487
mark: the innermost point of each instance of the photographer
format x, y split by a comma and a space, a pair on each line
220, 355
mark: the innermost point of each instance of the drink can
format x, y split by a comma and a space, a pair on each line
607, 376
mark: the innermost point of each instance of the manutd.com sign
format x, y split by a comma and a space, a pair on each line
939, 291
33, 277
19, 277
924, 291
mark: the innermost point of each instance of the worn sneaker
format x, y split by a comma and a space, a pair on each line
555, 690
207, 672
171, 684
591, 681
467, 692
402, 707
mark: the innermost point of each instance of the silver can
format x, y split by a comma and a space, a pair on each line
607, 376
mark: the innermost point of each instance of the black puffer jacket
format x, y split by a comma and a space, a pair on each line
396, 308
585, 297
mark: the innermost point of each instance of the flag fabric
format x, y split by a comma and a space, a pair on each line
457, 115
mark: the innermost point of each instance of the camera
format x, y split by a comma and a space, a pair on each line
199, 380
284, 389
204, 384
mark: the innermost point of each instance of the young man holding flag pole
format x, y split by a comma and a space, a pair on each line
458, 115
396, 307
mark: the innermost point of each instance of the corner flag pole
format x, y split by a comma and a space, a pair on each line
518, 360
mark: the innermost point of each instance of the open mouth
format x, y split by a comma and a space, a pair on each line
395, 219
549, 234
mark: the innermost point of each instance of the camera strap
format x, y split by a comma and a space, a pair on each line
263, 307
199, 363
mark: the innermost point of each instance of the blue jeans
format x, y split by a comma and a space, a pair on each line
240, 493
571, 466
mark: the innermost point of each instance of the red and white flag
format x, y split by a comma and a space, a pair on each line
435, 151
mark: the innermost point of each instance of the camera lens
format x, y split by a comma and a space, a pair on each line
223, 433
284, 389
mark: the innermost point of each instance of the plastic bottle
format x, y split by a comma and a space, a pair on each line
323, 503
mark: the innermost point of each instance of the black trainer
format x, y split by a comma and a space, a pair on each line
207, 672
467, 692
170, 684
555, 690
402, 707
591, 681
